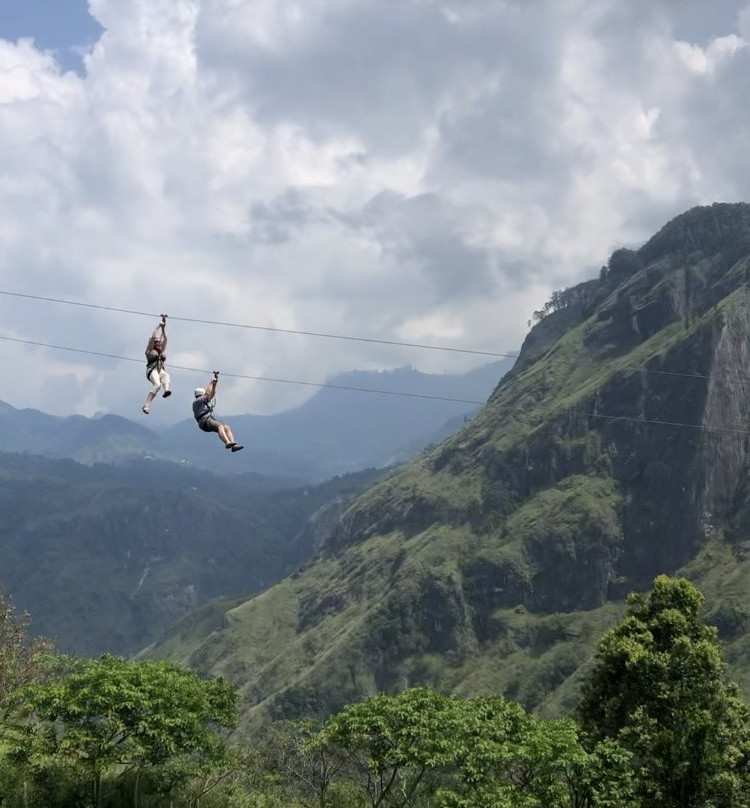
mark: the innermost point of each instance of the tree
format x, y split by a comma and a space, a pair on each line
421, 748
133, 715
305, 762
623, 263
506, 758
659, 688
393, 743
23, 660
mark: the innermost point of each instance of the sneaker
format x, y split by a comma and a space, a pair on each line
236, 447
145, 409
166, 394
229, 445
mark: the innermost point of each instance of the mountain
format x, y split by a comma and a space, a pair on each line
106, 558
335, 432
615, 449
88, 440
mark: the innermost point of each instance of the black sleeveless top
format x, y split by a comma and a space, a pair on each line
154, 361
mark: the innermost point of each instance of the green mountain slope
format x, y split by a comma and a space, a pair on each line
616, 449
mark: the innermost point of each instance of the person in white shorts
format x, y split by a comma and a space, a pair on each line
155, 359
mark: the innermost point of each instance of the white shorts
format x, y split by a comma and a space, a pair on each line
158, 378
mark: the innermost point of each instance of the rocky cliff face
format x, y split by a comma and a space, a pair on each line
616, 449
646, 386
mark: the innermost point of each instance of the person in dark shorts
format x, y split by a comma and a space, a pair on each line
203, 409
155, 371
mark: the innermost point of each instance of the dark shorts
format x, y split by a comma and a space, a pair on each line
209, 424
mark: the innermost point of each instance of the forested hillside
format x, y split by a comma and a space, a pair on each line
615, 450
105, 559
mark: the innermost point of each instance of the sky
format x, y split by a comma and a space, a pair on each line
423, 171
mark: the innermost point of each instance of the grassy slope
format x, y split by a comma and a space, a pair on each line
356, 623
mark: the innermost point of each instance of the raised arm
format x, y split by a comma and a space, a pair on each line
211, 389
157, 335
163, 326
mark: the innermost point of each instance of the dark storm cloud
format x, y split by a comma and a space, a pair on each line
425, 234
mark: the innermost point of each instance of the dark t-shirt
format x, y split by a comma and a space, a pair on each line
201, 409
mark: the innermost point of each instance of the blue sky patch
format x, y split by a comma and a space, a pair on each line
62, 26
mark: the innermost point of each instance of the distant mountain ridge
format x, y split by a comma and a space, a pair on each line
88, 440
334, 432
616, 449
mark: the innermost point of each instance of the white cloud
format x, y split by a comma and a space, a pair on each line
426, 170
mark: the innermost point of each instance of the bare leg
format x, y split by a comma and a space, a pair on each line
225, 435
233, 445
147, 403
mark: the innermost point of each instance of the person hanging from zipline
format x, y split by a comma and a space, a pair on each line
155, 359
203, 409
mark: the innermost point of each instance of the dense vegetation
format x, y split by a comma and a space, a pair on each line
658, 726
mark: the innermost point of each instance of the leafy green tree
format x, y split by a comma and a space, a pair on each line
131, 715
53, 786
659, 687
393, 744
506, 758
421, 748
24, 660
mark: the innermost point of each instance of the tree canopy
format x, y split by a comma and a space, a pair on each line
660, 689
130, 714
423, 748
659, 726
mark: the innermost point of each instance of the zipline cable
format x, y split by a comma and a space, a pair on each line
263, 327
273, 329
241, 375
630, 419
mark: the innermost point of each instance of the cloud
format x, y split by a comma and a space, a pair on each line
418, 170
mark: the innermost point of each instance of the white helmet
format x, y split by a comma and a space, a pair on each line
199, 391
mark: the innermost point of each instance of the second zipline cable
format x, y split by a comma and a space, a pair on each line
626, 418
242, 375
